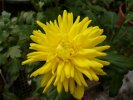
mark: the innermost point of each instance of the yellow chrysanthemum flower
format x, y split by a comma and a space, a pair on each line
70, 51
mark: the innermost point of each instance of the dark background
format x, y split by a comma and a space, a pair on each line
14, 6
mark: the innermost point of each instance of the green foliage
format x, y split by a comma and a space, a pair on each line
115, 83
119, 63
14, 42
108, 20
9, 96
129, 17
38, 4
14, 52
129, 4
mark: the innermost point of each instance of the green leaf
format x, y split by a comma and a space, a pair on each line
5, 17
14, 67
27, 17
106, 2
119, 63
2, 24
3, 59
14, 52
37, 80
6, 14
9, 96
119, 66
3, 36
65, 96
123, 41
75, 6
129, 17
129, 5
32, 66
1, 48
113, 80
98, 8
124, 37
52, 93
12, 70
14, 20
91, 16
108, 20
115, 83
40, 15
40, 4
52, 13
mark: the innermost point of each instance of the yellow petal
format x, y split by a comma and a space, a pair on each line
38, 40
38, 56
84, 52
59, 87
60, 68
94, 76
101, 48
96, 31
102, 62
81, 62
85, 72
56, 26
99, 71
65, 84
37, 53
57, 79
95, 64
85, 25
65, 20
59, 20
79, 39
49, 83
72, 71
70, 20
78, 92
62, 76
45, 79
90, 53
38, 33
67, 70
44, 69
54, 67
42, 25
84, 21
38, 47
71, 85
82, 78
94, 41
28, 61
77, 20
72, 32
76, 78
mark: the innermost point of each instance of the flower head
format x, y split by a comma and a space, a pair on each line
70, 49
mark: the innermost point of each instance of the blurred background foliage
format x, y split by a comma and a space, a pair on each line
114, 16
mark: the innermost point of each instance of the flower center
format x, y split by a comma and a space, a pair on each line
64, 50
